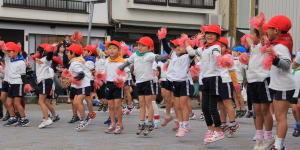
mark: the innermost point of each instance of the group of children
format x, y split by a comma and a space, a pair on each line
263, 65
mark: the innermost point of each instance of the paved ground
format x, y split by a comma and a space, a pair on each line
62, 136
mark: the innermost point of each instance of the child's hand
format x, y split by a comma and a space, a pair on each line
270, 51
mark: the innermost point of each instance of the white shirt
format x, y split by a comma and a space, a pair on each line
178, 67
255, 71
14, 70
76, 68
143, 66
208, 60
44, 70
100, 64
110, 69
90, 66
281, 80
163, 73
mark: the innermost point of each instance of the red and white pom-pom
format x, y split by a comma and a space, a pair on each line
258, 20
98, 84
28, 88
225, 61
195, 70
268, 61
244, 40
76, 36
162, 33
49, 48
66, 73
237, 87
57, 60
75, 82
119, 82
2, 45
100, 75
183, 39
36, 55
244, 58
265, 48
121, 72
155, 73
165, 66
125, 50
1, 69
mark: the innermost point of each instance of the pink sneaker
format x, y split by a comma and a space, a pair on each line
209, 134
216, 137
181, 132
176, 126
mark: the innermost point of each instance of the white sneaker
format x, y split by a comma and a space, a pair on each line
258, 144
267, 144
45, 123
156, 123
193, 117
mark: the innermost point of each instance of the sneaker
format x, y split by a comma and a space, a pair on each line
55, 118
45, 123
118, 129
105, 107
202, 117
216, 137
267, 144
233, 129
74, 119
181, 132
6, 117
100, 107
237, 113
258, 144
193, 117
88, 120
254, 137
81, 125
274, 148
223, 126
176, 126
23, 123
110, 129
11, 121
108, 121
156, 123
166, 121
92, 115
296, 132
209, 134
242, 113
249, 114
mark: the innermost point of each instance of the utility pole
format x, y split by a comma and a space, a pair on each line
232, 20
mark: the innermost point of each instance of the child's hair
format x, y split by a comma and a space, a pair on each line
76, 55
256, 32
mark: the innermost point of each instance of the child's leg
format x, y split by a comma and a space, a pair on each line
78, 101
229, 109
223, 113
89, 104
43, 106
118, 111
18, 105
9, 106
184, 107
177, 109
236, 100
142, 103
241, 100
50, 107
3, 99
267, 116
74, 110
190, 107
281, 108
128, 91
148, 100
112, 112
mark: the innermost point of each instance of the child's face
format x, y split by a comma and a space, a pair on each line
70, 54
210, 37
272, 33
61, 49
12, 54
113, 51
86, 53
143, 48
180, 50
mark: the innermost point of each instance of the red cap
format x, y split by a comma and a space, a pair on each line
92, 49
224, 41
213, 28
146, 40
13, 47
175, 42
44, 45
116, 43
279, 22
76, 48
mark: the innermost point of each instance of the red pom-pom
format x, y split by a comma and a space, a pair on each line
57, 60
66, 73
237, 87
121, 72
75, 82
49, 48
165, 66
100, 75
36, 55
244, 41
2, 45
98, 84
125, 50
268, 61
183, 39
162, 33
28, 88
244, 58
76, 36
225, 61
258, 20
195, 70
119, 82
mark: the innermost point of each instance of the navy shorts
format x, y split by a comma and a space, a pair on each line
285, 95
113, 92
15, 90
5, 86
146, 88
46, 87
226, 90
259, 92
183, 88
211, 85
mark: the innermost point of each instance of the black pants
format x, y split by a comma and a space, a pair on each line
210, 109
249, 103
1, 109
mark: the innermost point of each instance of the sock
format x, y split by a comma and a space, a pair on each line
259, 134
185, 124
233, 123
150, 122
279, 143
268, 135
156, 117
142, 122
181, 124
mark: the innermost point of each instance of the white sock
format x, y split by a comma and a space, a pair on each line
155, 108
279, 143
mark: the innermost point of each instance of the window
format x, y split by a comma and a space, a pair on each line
207, 4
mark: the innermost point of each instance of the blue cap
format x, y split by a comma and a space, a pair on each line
240, 49
101, 46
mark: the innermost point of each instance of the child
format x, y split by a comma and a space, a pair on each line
296, 107
15, 71
114, 88
80, 82
282, 82
45, 76
143, 61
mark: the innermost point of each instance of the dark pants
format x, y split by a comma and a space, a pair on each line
210, 109
1, 109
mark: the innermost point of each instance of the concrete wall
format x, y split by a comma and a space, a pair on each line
100, 15
289, 8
